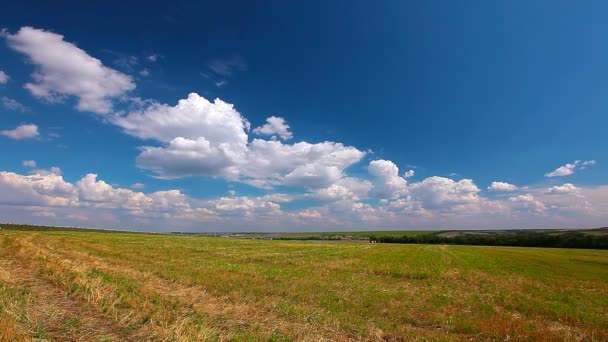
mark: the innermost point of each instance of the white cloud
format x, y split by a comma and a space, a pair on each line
144, 72
349, 188
564, 170
22, 132
203, 138
306, 214
570, 168
502, 186
387, 182
184, 157
567, 188
244, 205
63, 70
194, 117
36, 189
528, 202
137, 186
588, 163
29, 163
435, 202
54, 170
97, 193
302, 164
275, 126
3, 77
436, 192
409, 174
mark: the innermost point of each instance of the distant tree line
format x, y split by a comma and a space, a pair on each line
563, 240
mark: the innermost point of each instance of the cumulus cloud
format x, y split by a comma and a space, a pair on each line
97, 193
185, 157
528, 202
433, 202
435, 192
25, 131
244, 205
567, 188
199, 137
194, 117
409, 174
387, 182
63, 69
349, 188
502, 186
570, 168
301, 164
275, 126
36, 189
3, 77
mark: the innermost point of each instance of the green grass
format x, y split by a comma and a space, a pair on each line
246, 289
355, 235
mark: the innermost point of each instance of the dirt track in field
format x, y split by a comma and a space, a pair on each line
52, 314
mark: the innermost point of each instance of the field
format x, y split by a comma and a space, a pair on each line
352, 236
73, 285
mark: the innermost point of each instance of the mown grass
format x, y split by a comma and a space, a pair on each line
216, 288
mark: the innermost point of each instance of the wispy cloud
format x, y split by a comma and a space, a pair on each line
12, 104
570, 168
153, 57
3, 77
22, 132
220, 70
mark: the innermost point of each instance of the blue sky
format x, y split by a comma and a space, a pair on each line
393, 115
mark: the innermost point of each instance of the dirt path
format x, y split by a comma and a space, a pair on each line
53, 315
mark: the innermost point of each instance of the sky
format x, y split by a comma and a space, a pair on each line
208, 116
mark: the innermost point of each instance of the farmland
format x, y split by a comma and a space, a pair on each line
66, 285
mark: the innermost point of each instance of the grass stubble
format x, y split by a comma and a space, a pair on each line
104, 286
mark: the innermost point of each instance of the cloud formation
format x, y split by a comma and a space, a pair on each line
275, 126
570, 168
3, 77
202, 138
502, 186
29, 163
12, 104
386, 179
567, 188
25, 131
435, 202
63, 69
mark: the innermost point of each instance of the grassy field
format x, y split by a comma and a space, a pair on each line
70, 285
356, 235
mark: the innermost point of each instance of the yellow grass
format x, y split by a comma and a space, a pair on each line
110, 286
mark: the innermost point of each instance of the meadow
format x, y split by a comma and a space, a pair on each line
104, 286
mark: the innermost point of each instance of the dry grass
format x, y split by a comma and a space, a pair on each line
170, 288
